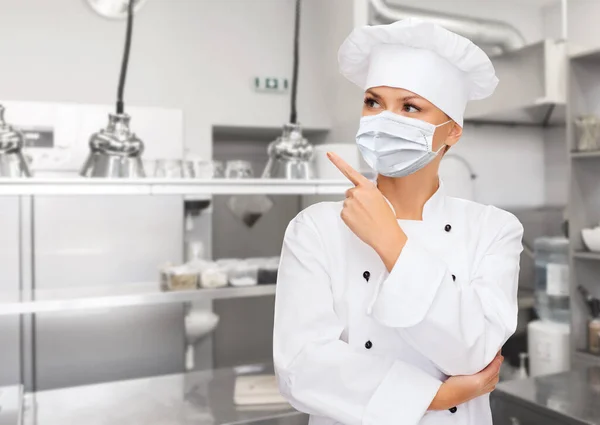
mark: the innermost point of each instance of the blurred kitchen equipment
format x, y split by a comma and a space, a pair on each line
169, 168
522, 372
247, 208
218, 169
116, 151
589, 133
267, 271
290, 154
197, 168
257, 389
549, 347
552, 278
238, 169
12, 162
214, 276
243, 274
181, 278
324, 168
591, 238
593, 304
198, 324
114, 9
149, 167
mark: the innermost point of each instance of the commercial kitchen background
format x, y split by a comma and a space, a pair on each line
190, 79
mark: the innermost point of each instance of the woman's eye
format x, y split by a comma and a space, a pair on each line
371, 103
410, 108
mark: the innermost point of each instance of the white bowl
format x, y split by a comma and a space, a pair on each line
591, 239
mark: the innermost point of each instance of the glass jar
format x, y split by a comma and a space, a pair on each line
552, 278
243, 274
238, 169
588, 127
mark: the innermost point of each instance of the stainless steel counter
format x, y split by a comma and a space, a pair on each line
571, 397
198, 398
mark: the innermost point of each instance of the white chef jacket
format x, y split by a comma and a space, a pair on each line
354, 344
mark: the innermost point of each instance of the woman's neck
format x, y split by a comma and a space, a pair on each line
409, 194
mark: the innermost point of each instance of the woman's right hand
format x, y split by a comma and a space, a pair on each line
460, 389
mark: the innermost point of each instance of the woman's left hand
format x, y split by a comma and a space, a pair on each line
368, 215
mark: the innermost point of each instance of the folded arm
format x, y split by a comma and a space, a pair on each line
459, 325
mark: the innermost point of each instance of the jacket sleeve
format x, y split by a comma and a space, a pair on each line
320, 374
460, 326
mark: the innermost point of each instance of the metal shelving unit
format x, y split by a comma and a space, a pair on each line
185, 187
584, 197
128, 295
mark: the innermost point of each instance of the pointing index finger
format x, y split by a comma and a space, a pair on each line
351, 174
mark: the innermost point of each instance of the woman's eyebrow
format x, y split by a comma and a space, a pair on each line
372, 93
411, 97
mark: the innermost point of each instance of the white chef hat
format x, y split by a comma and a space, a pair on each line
443, 67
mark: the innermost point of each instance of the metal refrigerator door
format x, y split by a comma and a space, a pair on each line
106, 240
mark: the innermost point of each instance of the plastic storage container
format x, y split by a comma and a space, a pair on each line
552, 279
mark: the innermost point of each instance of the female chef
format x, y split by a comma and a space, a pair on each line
381, 298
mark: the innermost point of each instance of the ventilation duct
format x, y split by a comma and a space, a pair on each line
481, 31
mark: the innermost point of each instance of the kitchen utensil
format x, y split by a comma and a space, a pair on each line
589, 132
149, 167
290, 156
115, 151
238, 169
591, 238
12, 162
218, 169
169, 168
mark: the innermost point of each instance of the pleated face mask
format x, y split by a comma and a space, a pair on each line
394, 145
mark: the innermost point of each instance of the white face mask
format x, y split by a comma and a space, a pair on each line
395, 145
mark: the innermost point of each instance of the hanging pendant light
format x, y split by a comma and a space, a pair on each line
290, 155
12, 162
114, 9
116, 151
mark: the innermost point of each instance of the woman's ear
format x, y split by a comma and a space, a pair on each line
454, 134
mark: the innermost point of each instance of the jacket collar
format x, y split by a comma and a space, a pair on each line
433, 210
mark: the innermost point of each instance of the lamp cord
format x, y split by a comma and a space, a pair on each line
125, 61
294, 113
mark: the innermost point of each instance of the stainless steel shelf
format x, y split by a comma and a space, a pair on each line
585, 154
183, 187
586, 255
586, 359
136, 294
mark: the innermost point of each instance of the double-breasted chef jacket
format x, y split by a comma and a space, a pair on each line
356, 344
